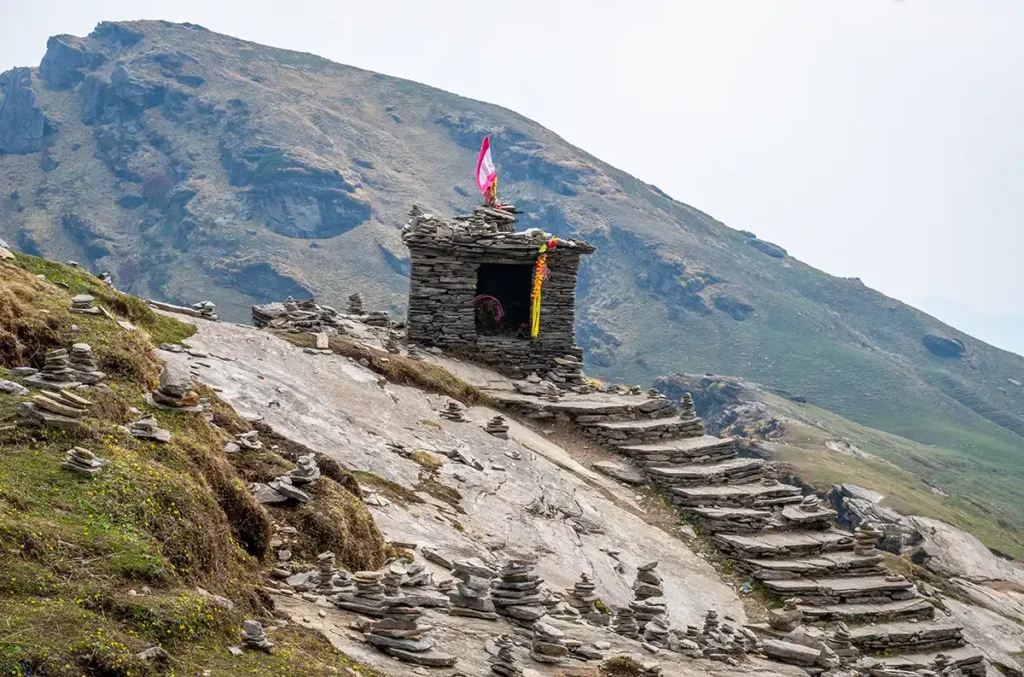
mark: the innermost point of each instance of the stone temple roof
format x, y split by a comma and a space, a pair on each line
484, 229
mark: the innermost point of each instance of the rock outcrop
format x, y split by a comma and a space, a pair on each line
944, 346
23, 126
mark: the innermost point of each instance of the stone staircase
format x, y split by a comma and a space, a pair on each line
773, 533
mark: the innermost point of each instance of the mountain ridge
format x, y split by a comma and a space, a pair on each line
191, 164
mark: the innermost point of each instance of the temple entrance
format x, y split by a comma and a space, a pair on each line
502, 301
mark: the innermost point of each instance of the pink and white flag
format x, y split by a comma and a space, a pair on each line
486, 175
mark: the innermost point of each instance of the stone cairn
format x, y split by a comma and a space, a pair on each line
548, 644
59, 410
503, 662
472, 595
283, 488
865, 539
355, 304
583, 599
414, 353
57, 371
656, 632
391, 344
417, 576
453, 412
80, 360
175, 388
249, 440
206, 309
306, 470
841, 643
83, 462
368, 596
498, 427
255, 637
401, 635
394, 572
648, 592
568, 372
809, 514
516, 593
625, 623
327, 575
147, 429
688, 415
83, 304
298, 317
787, 618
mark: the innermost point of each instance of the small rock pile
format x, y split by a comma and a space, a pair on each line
325, 579
83, 304
809, 514
249, 440
567, 373
498, 427
80, 360
516, 595
57, 371
472, 594
255, 637
175, 388
841, 643
583, 599
83, 462
400, 635
416, 576
355, 304
625, 623
648, 591
503, 661
865, 539
453, 412
787, 618
59, 410
206, 309
306, 470
368, 596
656, 632
394, 572
298, 317
548, 644
391, 345
147, 429
414, 353
693, 425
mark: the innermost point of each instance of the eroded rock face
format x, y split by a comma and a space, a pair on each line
65, 59
943, 346
773, 250
23, 126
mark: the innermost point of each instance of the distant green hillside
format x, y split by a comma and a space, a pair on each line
194, 165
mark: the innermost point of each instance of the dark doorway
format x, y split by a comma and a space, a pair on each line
502, 302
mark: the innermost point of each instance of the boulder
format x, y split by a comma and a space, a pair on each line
943, 346
176, 379
66, 56
23, 126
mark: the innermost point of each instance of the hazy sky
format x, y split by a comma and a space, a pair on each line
871, 138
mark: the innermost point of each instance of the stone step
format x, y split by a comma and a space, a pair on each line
906, 635
870, 613
825, 565
967, 658
731, 520
754, 495
731, 471
642, 431
783, 544
701, 449
829, 591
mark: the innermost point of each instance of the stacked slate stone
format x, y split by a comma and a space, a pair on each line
498, 427
175, 389
568, 372
401, 635
59, 410
841, 643
809, 514
414, 353
865, 539
80, 360
548, 644
648, 592
249, 440
656, 632
656, 406
391, 345
326, 576
56, 371
206, 309
453, 412
147, 429
83, 462
305, 472
367, 598
416, 575
503, 662
355, 304
625, 623
255, 637
445, 257
688, 414
83, 304
516, 593
732, 520
293, 486
472, 596
787, 618
583, 598
394, 572
299, 317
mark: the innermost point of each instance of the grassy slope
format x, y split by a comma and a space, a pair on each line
982, 498
844, 346
170, 517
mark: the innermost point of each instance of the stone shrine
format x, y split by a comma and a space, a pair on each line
470, 289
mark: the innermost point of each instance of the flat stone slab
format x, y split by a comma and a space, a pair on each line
904, 634
698, 471
685, 445
731, 513
837, 586
619, 471
962, 656
913, 608
644, 424
788, 652
746, 494
596, 403
821, 565
785, 541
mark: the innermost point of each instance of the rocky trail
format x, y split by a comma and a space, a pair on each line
466, 494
